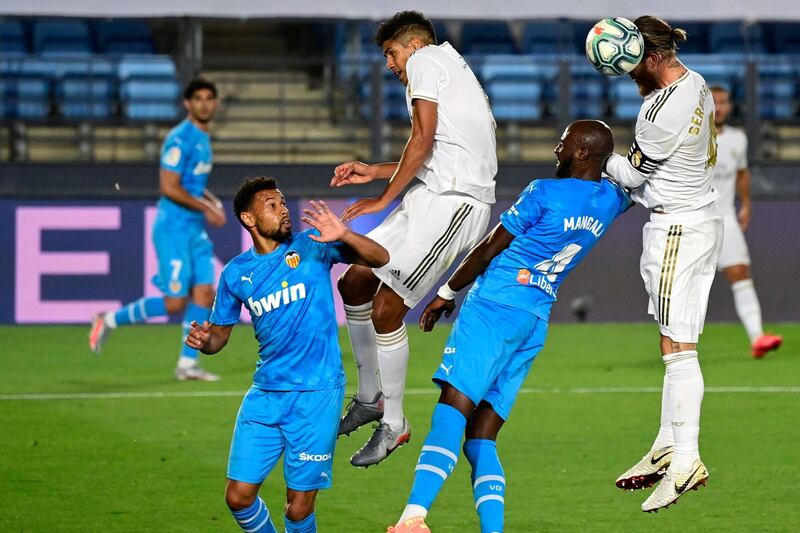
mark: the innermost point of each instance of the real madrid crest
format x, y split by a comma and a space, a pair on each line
292, 258
636, 159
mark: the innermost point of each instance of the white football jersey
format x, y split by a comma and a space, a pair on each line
731, 158
670, 165
464, 155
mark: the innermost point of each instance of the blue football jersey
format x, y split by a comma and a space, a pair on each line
187, 152
555, 223
289, 295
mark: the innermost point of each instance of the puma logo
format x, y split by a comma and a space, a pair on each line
446, 369
248, 278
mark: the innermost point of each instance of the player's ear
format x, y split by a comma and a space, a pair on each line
582, 153
186, 104
247, 218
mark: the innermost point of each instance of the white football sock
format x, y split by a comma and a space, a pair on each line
665, 435
110, 320
685, 381
747, 307
365, 349
185, 362
412, 511
393, 363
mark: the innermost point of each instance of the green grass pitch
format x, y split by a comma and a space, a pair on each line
153, 458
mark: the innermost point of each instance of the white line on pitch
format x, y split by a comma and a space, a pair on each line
431, 391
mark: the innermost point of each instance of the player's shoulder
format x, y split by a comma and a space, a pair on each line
737, 134
179, 132
238, 263
427, 55
671, 107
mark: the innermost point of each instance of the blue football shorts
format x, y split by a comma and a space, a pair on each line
301, 426
490, 351
185, 258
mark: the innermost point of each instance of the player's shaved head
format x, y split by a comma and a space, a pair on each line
584, 146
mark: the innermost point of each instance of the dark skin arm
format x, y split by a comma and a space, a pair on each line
418, 148
170, 185
467, 272
743, 192
208, 338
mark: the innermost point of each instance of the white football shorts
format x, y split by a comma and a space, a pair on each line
734, 247
423, 235
679, 260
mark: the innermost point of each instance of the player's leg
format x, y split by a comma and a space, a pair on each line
201, 276
256, 447
439, 455
357, 287
170, 254
488, 478
309, 425
748, 309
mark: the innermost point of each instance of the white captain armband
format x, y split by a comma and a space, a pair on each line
638, 160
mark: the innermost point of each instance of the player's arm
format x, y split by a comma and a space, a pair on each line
356, 248
208, 338
355, 172
652, 144
170, 186
418, 148
743, 192
475, 264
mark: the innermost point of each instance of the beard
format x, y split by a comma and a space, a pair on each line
278, 235
647, 82
563, 167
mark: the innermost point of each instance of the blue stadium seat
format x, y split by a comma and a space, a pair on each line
61, 37
587, 91
148, 88
624, 97
124, 37
12, 38
735, 38
483, 38
515, 85
545, 37
785, 37
697, 36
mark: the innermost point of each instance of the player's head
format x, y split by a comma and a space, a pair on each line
584, 146
401, 36
200, 100
661, 43
722, 104
261, 208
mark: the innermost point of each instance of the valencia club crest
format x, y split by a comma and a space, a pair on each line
292, 258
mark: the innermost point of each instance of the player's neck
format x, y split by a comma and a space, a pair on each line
672, 73
202, 126
586, 173
264, 245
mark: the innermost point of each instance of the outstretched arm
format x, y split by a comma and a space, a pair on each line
208, 338
359, 249
418, 148
467, 272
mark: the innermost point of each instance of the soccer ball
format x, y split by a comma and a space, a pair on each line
614, 46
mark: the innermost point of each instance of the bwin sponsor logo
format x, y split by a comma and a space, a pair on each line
315, 457
272, 301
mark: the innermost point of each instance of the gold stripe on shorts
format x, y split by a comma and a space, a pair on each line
667, 279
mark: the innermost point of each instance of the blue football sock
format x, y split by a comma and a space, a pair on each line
198, 314
255, 519
306, 525
140, 311
488, 483
439, 455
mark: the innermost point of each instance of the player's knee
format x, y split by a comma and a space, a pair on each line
237, 499
737, 273
299, 507
175, 305
385, 317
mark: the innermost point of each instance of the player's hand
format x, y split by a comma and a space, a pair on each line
199, 335
433, 311
322, 219
744, 216
352, 173
215, 216
364, 207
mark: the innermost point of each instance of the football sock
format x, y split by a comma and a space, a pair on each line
193, 313
136, 312
255, 519
438, 458
306, 525
685, 396
365, 349
665, 435
393, 363
488, 483
747, 307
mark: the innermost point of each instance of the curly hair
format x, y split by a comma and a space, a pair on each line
243, 200
404, 25
198, 84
